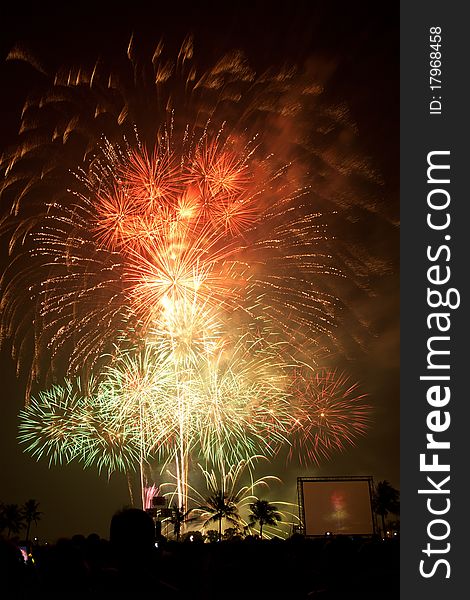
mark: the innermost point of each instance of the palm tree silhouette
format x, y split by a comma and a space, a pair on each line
386, 499
220, 506
31, 513
264, 513
13, 518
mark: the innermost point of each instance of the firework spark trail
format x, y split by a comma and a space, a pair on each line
150, 492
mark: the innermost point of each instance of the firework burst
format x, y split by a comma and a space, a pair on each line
178, 264
329, 413
193, 196
64, 424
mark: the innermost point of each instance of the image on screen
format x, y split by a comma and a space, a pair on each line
337, 507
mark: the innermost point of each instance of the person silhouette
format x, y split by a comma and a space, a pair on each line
132, 538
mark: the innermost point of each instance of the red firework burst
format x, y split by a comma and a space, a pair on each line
328, 413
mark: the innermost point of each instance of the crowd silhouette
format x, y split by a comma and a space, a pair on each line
136, 563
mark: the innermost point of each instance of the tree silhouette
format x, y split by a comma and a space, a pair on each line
178, 518
386, 499
212, 535
264, 513
31, 513
221, 506
231, 534
194, 537
12, 518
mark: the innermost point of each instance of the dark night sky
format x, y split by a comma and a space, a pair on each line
361, 41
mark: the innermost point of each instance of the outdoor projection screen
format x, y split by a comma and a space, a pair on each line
336, 505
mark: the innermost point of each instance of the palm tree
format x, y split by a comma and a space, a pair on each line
386, 499
178, 517
264, 513
31, 513
13, 518
221, 506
